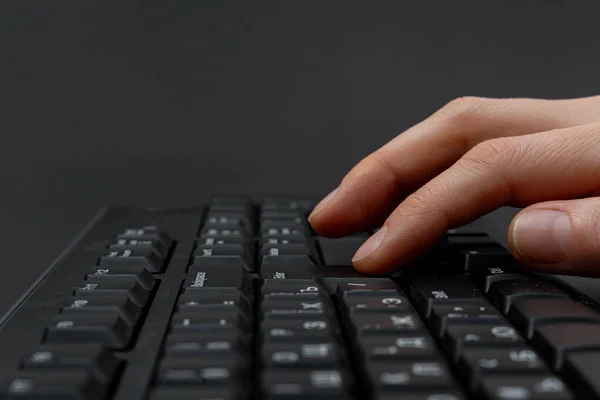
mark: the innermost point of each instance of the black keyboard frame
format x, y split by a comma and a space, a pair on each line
25, 322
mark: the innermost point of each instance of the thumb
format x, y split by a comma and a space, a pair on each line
560, 237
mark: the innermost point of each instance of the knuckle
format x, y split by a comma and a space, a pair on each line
465, 107
493, 154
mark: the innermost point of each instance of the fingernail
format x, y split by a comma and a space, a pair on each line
323, 203
543, 236
370, 245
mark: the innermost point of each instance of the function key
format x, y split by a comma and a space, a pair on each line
525, 387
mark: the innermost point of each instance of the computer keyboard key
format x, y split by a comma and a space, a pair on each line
340, 251
224, 233
210, 240
90, 357
128, 310
385, 321
141, 274
582, 372
193, 392
483, 277
460, 336
525, 387
237, 219
504, 293
151, 233
297, 354
443, 315
341, 285
285, 249
486, 258
284, 239
308, 303
146, 258
281, 215
287, 261
374, 300
426, 289
290, 286
407, 375
305, 383
283, 229
471, 229
213, 371
187, 321
476, 362
223, 251
128, 285
121, 245
204, 344
68, 384
396, 346
109, 330
421, 394
555, 340
200, 299
282, 271
212, 273
282, 203
527, 313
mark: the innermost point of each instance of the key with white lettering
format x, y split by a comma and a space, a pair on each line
308, 303
90, 305
128, 286
141, 274
283, 271
479, 312
200, 299
477, 362
396, 346
289, 286
305, 383
151, 233
191, 321
525, 387
387, 320
213, 371
460, 336
204, 344
375, 300
60, 384
209, 273
427, 289
106, 329
145, 257
314, 354
289, 327
235, 252
341, 285
388, 376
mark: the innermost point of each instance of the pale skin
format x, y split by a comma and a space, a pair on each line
467, 159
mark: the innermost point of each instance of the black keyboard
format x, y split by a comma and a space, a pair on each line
238, 299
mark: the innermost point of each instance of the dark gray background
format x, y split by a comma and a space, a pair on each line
164, 103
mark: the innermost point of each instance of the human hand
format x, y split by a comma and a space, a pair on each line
467, 159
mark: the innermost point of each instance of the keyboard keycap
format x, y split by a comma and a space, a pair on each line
130, 287
287, 261
141, 274
304, 383
484, 276
290, 286
107, 329
308, 303
93, 358
340, 251
421, 394
234, 254
429, 288
193, 392
341, 285
151, 233
110, 304
485, 258
388, 321
557, 339
287, 271
146, 258
374, 300
581, 370
476, 362
68, 384
430, 374
460, 336
285, 355
527, 313
443, 315
224, 319
215, 371
530, 387
505, 292
211, 273
396, 347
